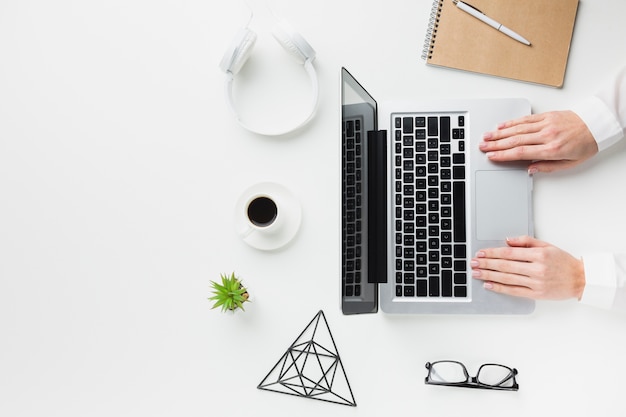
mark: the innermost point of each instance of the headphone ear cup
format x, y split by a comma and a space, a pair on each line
293, 42
238, 52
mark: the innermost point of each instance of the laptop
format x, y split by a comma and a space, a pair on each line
419, 199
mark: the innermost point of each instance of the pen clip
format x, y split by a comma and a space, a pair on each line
468, 5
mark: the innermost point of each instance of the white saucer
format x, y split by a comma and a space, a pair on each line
290, 216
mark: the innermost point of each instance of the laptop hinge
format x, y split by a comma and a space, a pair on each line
377, 205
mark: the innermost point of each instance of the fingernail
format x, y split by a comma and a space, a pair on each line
474, 263
532, 171
488, 286
482, 145
476, 273
491, 154
487, 135
480, 254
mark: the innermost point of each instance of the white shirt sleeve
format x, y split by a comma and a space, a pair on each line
605, 276
605, 112
605, 116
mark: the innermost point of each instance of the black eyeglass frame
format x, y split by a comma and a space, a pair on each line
473, 382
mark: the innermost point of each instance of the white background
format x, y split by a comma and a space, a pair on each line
120, 166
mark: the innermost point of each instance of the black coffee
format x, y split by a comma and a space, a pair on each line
262, 211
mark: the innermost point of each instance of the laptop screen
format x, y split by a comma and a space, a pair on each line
359, 121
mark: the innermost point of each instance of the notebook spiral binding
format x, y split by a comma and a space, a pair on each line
431, 32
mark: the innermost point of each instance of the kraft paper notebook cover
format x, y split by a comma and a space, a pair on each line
458, 40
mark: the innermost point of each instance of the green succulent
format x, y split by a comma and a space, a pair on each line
230, 294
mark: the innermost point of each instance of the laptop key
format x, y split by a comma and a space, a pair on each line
433, 286
407, 125
444, 128
460, 291
458, 211
421, 286
433, 126
446, 283
409, 291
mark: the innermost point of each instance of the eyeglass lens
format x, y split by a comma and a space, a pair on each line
448, 372
495, 376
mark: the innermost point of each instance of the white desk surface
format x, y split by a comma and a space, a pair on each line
120, 166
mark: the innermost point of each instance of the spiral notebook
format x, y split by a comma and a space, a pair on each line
457, 40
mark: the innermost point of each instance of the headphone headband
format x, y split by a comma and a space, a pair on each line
239, 51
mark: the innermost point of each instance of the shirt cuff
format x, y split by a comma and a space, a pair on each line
601, 122
600, 280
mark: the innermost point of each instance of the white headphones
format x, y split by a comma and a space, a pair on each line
239, 51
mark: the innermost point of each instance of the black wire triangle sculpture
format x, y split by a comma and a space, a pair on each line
311, 367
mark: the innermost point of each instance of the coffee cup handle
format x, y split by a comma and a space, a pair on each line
246, 231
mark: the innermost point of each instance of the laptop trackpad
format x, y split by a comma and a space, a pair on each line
502, 204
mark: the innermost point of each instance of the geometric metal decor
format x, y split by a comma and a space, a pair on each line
311, 367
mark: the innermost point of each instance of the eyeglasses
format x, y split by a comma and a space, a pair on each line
454, 374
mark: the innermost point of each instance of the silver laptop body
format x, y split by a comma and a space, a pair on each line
419, 199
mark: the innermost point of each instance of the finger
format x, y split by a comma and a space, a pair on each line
524, 121
523, 150
503, 271
507, 153
509, 290
525, 242
550, 166
506, 143
511, 138
501, 277
523, 125
507, 253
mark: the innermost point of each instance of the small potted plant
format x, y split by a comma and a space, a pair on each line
230, 294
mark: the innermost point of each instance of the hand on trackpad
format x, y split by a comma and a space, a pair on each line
503, 201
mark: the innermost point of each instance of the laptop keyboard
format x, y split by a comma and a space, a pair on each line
353, 194
429, 214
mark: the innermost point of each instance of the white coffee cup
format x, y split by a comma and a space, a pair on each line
263, 215
267, 216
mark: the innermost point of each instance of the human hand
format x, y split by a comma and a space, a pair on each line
530, 268
553, 140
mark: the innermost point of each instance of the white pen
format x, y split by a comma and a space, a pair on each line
482, 17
